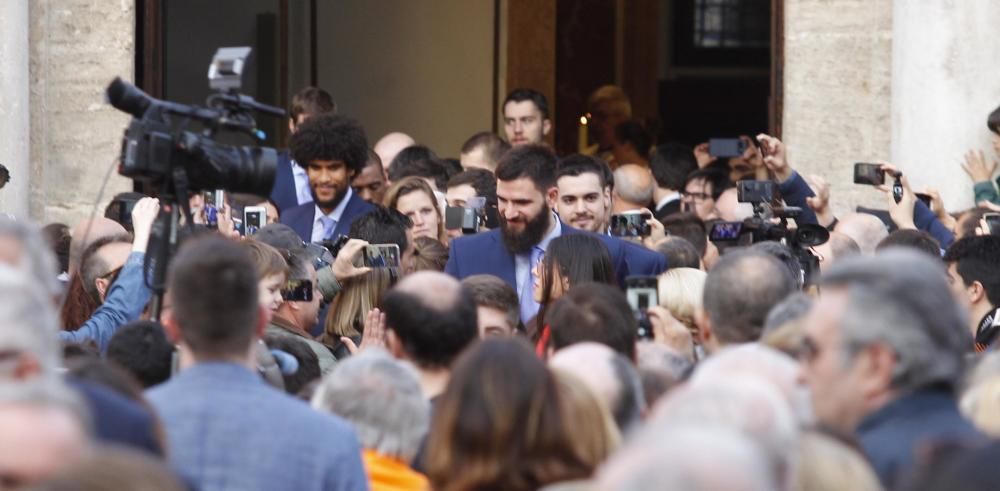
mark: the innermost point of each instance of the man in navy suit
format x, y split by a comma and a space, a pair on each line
333, 149
525, 178
291, 184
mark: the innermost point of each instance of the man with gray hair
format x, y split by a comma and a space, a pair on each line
740, 290
883, 351
611, 377
381, 398
866, 230
633, 188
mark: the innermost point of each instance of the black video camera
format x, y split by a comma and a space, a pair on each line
157, 141
474, 215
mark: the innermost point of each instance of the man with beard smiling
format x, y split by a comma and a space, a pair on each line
583, 198
333, 150
525, 186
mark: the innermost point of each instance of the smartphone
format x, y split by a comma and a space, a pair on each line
211, 210
382, 256
926, 198
871, 174
726, 147
254, 217
297, 291
725, 231
992, 223
125, 213
641, 292
631, 224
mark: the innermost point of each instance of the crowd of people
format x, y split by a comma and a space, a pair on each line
403, 321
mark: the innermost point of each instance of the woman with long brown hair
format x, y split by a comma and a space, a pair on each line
346, 317
414, 198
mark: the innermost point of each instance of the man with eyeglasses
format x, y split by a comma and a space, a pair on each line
701, 188
298, 313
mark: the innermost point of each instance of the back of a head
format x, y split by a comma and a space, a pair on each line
29, 320
490, 291
680, 253
783, 328
843, 245
218, 321
901, 299
782, 253
381, 398
671, 163
595, 433
866, 230
634, 184
977, 258
740, 290
428, 255
581, 258
433, 317
330, 137
311, 101
661, 368
492, 145
306, 372
825, 463
689, 227
612, 377
594, 312
914, 239
633, 132
36, 259
279, 236
681, 291
534, 162
612, 95
482, 180
381, 226
142, 349
418, 161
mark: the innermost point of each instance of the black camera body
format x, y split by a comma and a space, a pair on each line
476, 214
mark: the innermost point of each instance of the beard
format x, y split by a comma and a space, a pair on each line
330, 203
534, 230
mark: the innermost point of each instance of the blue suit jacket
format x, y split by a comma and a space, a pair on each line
485, 253
283, 193
301, 217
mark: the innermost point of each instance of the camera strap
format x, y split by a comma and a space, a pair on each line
987, 331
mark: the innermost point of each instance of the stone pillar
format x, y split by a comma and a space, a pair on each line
14, 106
837, 94
945, 81
77, 47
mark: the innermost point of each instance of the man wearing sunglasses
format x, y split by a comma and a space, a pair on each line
298, 313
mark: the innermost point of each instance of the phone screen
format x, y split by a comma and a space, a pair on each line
253, 219
992, 222
382, 256
630, 225
870, 174
723, 231
297, 291
641, 292
726, 147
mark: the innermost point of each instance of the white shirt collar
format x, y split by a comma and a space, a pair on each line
338, 211
668, 198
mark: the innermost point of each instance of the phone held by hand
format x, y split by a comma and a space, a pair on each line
992, 223
869, 174
631, 224
381, 256
254, 217
641, 292
726, 147
297, 291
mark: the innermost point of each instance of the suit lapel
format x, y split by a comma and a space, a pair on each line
503, 260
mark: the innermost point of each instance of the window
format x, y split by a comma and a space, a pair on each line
731, 23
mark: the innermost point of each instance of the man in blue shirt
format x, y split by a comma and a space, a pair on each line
226, 429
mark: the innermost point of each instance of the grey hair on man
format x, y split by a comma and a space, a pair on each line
901, 299
36, 257
381, 398
634, 184
30, 326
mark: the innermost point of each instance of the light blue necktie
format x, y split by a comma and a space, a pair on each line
328, 225
528, 305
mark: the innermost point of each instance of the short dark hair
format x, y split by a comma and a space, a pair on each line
594, 312
536, 162
633, 132
577, 164
915, 239
419, 161
977, 258
993, 121
740, 290
308, 361
142, 349
493, 146
679, 253
221, 320
482, 180
688, 226
521, 95
381, 226
312, 101
671, 163
330, 137
970, 221
717, 178
782, 253
432, 336
490, 291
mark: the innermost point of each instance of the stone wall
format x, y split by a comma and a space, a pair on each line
76, 48
14, 110
838, 82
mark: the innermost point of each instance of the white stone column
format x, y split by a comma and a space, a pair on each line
14, 106
945, 81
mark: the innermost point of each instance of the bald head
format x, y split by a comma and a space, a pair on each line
610, 376
866, 230
433, 318
740, 290
389, 145
87, 232
837, 247
730, 209
634, 186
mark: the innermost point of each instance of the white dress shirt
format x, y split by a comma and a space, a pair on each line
302, 192
317, 233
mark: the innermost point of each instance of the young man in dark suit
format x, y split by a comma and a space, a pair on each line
525, 179
333, 149
291, 184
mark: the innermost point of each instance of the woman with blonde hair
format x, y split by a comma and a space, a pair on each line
680, 291
414, 198
595, 433
346, 318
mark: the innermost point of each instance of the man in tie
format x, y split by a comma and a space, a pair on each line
525, 181
333, 149
291, 185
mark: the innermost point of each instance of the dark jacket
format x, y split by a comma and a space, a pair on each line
302, 217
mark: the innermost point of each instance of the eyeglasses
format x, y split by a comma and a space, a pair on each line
695, 196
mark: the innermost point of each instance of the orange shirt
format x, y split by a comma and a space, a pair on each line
391, 474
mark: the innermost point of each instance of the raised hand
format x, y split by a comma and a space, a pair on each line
373, 336
775, 157
143, 215
978, 167
344, 264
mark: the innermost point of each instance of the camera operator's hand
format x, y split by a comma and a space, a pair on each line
226, 226
143, 215
978, 167
373, 335
344, 264
702, 156
902, 212
775, 157
656, 231
820, 204
670, 331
